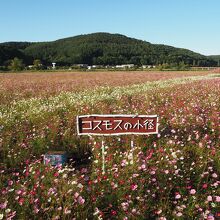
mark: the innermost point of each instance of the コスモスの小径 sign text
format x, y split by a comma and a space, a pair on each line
117, 124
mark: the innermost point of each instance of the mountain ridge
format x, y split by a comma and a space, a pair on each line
101, 49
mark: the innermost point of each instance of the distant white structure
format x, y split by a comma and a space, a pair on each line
125, 66
53, 66
31, 66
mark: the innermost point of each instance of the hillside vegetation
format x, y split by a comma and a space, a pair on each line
216, 58
101, 49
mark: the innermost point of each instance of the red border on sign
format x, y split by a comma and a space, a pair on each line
119, 133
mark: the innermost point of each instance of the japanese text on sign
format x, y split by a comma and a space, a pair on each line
117, 124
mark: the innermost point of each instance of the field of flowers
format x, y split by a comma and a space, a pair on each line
15, 86
172, 175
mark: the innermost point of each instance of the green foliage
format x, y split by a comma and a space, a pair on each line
173, 66
37, 64
3, 68
101, 49
109, 49
10, 50
216, 58
16, 64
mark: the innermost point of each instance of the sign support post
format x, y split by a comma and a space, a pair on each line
103, 157
108, 125
132, 150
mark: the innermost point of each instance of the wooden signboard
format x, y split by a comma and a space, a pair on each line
105, 125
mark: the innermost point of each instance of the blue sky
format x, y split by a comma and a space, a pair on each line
191, 24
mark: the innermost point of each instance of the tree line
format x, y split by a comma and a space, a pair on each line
99, 49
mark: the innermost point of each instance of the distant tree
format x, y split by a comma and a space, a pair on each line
37, 64
181, 66
194, 62
16, 64
3, 68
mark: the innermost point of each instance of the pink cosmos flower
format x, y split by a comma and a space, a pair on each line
214, 175
56, 174
123, 163
11, 215
178, 196
158, 212
179, 214
21, 201
76, 194
210, 217
81, 201
134, 211
209, 198
166, 171
18, 192
143, 166
67, 211
36, 210
113, 212
10, 182
125, 206
134, 186
3, 205
205, 185
149, 154
27, 173
192, 191
152, 172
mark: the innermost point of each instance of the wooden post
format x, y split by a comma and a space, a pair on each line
132, 149
103, 157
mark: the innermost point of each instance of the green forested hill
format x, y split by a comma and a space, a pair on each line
103, 49
216, 58
10, 50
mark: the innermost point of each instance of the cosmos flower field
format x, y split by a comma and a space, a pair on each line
171, 175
